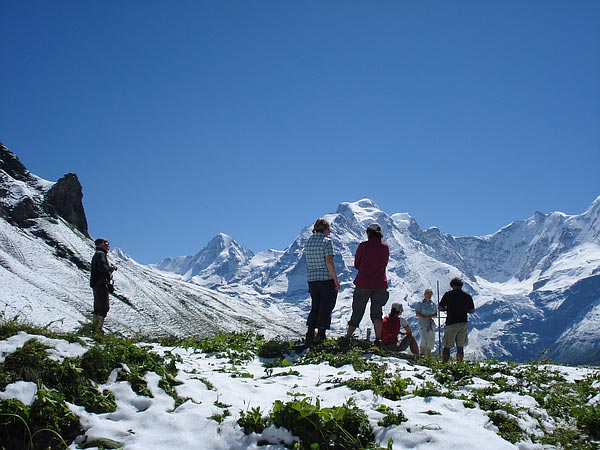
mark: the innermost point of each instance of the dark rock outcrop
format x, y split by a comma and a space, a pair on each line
10, 164
23, 213
65, 199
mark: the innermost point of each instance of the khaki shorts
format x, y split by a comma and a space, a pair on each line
457, 333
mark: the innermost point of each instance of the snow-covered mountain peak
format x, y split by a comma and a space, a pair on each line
590, 220
25, 198
119, 253
595, 206
12, 166
18, 184
222, 237
216, 264
226, 247
404, 220
364, 210
221, 242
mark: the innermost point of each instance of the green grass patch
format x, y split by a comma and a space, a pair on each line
48, 423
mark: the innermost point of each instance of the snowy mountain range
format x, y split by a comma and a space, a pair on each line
536, 283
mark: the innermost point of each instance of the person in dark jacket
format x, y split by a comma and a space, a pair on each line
371, 261
101, 283
457, 304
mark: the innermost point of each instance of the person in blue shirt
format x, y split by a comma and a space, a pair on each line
426, 311
323, 283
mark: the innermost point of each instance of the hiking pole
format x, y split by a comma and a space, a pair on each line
439, 317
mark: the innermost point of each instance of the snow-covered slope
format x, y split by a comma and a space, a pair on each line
43, 288
44, 276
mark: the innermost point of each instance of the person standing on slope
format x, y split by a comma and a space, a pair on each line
100, 282
426, 311
456, 303
371, 261
323, 283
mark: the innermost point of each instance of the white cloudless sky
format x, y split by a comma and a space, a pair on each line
186, 119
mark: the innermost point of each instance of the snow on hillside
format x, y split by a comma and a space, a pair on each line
45, 255
517, 275
216, 393
45, 289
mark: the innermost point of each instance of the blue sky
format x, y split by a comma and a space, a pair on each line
254, 118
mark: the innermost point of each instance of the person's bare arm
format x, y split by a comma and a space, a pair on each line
331, 267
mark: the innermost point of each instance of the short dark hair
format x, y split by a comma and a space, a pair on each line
100, 241
456, 282
320, 226
374, 233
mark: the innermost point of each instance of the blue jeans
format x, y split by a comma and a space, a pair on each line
323, 297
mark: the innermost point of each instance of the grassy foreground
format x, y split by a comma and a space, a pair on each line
49, 423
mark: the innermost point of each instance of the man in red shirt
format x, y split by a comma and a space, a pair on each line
370, 260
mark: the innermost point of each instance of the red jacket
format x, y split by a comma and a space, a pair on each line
370, 260
390, 329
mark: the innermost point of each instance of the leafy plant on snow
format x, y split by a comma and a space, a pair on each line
576, 422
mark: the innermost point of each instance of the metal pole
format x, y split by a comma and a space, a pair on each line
439, 317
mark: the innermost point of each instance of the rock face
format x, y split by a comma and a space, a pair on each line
65, 198
24, 197
10, 164
23, 213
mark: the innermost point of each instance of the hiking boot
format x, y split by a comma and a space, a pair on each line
377, 343
321, 336
97, 324
310, 337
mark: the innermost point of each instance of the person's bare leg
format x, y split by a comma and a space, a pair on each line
377, 326
414, 347
351, 329
445, 354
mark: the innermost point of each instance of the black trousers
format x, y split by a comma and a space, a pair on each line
101, 304
323, 297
